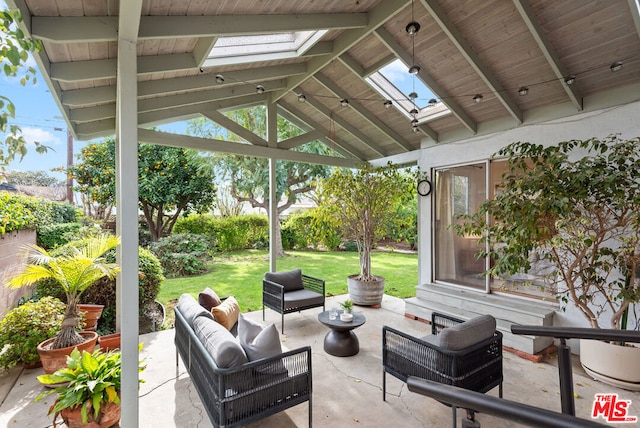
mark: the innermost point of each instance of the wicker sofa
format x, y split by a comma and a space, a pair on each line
233, 390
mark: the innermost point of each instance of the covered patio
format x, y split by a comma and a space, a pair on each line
495, 70
347, 391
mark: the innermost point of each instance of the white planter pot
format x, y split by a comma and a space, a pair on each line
612, 364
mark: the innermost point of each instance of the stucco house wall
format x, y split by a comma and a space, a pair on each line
11, 244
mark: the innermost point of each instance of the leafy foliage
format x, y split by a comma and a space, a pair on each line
28, 212
75, 268
311, 229
228, 233
32, 178
577, 205
14, 53
14, 214
24, 327
90, 380
57, 234
183, 254
363, 201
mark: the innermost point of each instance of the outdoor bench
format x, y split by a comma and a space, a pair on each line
241, 392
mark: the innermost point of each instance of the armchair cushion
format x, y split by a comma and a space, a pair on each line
301, 298
224, 349
290, 280
226, 313
468, 333
191, 309
208, 299
258, 341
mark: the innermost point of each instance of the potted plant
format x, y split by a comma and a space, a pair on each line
24, 327
363, 200
347, 305
577, 205
88, 391
74, 269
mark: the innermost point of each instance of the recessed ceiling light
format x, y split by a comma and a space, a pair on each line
523, 91
344, 102
616, 66
477, 98
570, 79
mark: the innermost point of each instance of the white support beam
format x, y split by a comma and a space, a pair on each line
306, 123
326, 112
382, 12
537, 32
273, 215
186, 141
364, 113
89, 29
234, 127
272, 125
300, 140
455, 109
438, 14
127, 309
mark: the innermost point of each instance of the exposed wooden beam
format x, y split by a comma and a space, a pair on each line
382, 12
167, 139
435, 87
324, 110
300, 140
438, 14
378, 65
366, 114
548, 51
306, 123
234, 127
70, 29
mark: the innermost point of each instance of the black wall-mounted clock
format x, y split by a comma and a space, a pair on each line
424, 187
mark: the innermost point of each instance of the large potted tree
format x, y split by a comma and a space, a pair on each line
74, 268
577, 205
363, 200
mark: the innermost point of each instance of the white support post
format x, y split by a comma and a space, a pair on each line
272, 141
127, 209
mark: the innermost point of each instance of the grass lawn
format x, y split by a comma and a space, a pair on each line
240, 274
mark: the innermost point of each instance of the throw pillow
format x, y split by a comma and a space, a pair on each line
226, 313
257, 340
290, 280
224, 349
467, 333
208, 299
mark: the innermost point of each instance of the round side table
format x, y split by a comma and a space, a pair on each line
341, 341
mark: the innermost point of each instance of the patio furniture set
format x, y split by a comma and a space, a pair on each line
242, 374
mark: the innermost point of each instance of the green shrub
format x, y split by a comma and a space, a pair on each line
14, 215
103, 291
199, 224
27, 212
309, 229
228, 233
350, 246
183, 254
24, 327
57, 234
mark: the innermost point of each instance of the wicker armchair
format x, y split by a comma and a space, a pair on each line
463, 354
291, 291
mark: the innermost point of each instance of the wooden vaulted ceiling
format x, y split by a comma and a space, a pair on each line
464, 47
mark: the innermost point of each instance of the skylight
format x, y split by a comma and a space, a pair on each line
394, 82
261, 47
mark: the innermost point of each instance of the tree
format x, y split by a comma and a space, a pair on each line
249, 175
364, 200
32, 178
14, 52
577, 205
172, 181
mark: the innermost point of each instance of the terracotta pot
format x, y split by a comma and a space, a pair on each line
367, 293
91, 316
109, 342
108, 417
54, 359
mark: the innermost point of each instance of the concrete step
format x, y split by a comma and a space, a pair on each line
466, 304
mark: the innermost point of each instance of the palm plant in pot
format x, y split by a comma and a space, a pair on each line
577, 205
363, 200
75, 269
88, 389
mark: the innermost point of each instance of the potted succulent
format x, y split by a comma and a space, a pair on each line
577, 205
88, 389
74, 269
347, 305
363, 201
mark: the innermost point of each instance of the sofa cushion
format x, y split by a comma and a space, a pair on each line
226, 313
467, 333
208, 299
258, 341
221, 345
290, 280
301, 298
191, 309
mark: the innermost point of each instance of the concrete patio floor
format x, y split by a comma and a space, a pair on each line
346, 391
